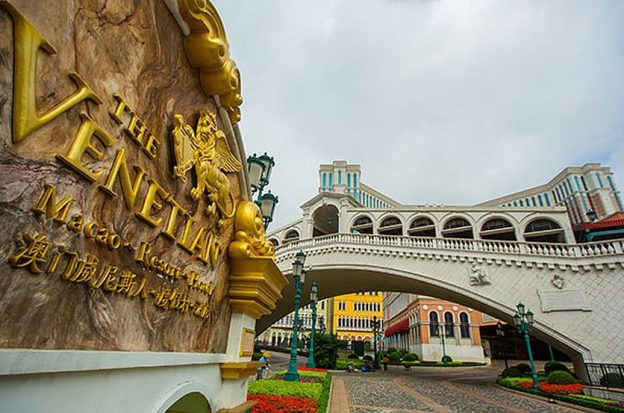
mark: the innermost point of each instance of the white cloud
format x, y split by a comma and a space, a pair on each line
440, 101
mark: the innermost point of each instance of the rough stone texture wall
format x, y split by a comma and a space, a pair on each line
134, 49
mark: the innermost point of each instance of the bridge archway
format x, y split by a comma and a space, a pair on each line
326, 221
338, 278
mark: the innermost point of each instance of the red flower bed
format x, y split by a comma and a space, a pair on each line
282, 404
555, 388
311, 369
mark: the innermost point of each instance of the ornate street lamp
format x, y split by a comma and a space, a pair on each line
299, 278
259, 169
313, 299
524, 324
375, 328
501, 334
267, 205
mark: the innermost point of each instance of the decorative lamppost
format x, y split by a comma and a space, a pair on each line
442, 333
313, 298
375, 328
501, 335
260, 168
299, 278
524, 324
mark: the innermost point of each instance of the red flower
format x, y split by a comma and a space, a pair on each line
282, 404
311, 369
555, 388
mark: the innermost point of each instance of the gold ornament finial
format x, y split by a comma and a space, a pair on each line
208, 50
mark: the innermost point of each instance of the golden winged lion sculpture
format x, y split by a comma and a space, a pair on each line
206, 148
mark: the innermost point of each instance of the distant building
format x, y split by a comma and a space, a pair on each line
280, 333
354, 315
588, 193
430, 328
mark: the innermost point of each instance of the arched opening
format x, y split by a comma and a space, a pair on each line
449, 324
464, 325
390, 226
292, 235
422, 227
362, 225
434, 330
457, 228
274, 241
498, 229
544, 230
191, 403
325, 221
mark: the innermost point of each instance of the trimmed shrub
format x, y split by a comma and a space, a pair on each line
448, 359
353, 356
561, 377
394, 356
341, 364
391, 349
403, 353
410, 357
551, 366
524, 368
367, 358
612, 380
511, 372
286, 388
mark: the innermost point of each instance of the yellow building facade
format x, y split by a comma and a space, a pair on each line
353, 315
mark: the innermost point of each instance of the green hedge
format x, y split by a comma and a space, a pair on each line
578, 399
561, 377
324, 399
286, 388
341, 363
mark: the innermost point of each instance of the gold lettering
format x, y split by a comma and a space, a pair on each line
47, 204
28, 41
151, 204
82, 144
173, 217
151, 146
75, 223
120, 168
119, 109
199, 245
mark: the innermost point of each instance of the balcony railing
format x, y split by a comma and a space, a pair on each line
593, 249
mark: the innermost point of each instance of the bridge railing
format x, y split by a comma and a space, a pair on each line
603, 248
605, 375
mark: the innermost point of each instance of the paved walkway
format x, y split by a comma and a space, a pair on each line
438, 390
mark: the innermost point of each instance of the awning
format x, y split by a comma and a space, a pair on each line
396, 328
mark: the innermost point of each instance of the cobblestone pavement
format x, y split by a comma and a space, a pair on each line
469, 390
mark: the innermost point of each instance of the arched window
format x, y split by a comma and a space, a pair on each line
422, 227
544, 230
457, 228
433, 324
448, 324
274, 241
498, 229
362, 225
464, 325
291, 236
391, 226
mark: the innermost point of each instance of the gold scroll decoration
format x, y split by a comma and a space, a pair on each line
207, 49
255, 281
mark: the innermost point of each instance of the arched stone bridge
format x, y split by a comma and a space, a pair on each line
575, 290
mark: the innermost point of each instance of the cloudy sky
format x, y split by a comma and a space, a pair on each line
440, 101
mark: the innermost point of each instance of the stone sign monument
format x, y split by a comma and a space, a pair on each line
128, 236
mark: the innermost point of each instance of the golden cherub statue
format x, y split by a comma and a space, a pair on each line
207, 149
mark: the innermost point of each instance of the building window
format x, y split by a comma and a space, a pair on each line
348, 180
331, 180
341, 305
539, 199
355, 181
448, 324
599, 180
433, 324
324, 180
339, 177
547, 198
464, 326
